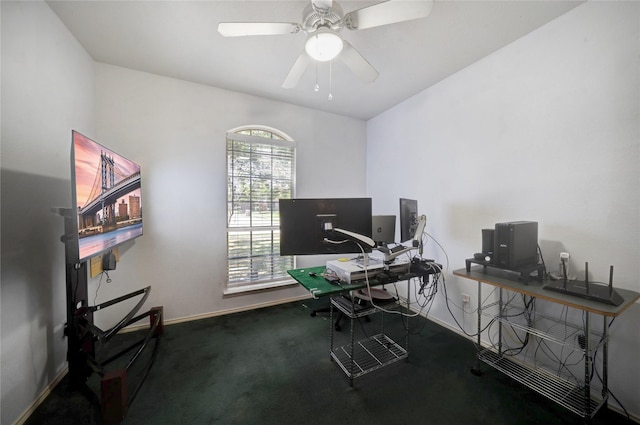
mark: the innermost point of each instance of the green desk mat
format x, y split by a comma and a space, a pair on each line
318, 286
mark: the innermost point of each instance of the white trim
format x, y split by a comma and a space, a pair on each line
247, 138
49, 388
222, 312
243, 288
280, 133
238, 287
43, 395
612, 404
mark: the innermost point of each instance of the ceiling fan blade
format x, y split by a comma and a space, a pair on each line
298, 68
238, 29
388, 12
357, 64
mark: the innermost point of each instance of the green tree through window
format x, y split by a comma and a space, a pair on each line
260, 171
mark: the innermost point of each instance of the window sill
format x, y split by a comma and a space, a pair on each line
258, 287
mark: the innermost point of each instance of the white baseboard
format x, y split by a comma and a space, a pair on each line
25, 415
43, 395
222, 312
612, 405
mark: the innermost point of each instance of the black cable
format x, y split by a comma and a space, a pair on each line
609, 391
594, 369
562, 364
104, 272
362, 327
526, 312
542, 260
75, 290
428, 301
446, 298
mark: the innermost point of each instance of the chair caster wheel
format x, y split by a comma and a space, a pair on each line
476, 371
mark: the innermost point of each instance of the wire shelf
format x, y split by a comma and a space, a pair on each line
566, 393
368, 355
564, 333
353, 310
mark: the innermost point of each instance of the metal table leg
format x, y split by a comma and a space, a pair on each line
476, 370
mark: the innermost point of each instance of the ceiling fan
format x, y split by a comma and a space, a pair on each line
322, 20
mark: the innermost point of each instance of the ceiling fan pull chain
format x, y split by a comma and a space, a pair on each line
330, 97
316, 87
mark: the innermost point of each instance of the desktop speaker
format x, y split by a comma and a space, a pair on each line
487, 244
515, 244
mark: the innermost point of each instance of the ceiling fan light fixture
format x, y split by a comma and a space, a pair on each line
324, 45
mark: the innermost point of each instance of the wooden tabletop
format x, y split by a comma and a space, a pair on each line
534, 288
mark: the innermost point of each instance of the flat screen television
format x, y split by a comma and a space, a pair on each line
106, 196
408, 218
305, 223
383, 229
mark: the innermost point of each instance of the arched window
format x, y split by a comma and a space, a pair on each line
260, 171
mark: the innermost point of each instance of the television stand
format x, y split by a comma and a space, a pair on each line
83, 335
523, 272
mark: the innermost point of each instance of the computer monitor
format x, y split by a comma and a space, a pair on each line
408, 218
306, 223
383, 229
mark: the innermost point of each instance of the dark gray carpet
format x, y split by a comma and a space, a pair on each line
272, 366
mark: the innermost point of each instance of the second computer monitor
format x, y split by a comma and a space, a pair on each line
408, 218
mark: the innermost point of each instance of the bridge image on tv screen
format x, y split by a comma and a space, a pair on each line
107, 197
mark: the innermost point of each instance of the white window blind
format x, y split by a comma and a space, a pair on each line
260, 171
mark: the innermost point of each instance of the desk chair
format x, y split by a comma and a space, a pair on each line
336, 324
339, 316
358, 300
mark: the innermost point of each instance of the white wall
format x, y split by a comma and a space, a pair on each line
546, 129
47, 89
563, 101
176, 131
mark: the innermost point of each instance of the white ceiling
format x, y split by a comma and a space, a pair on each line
179, 39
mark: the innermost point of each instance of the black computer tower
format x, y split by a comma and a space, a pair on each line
515, 244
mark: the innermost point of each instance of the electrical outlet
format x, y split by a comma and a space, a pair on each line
466, 300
